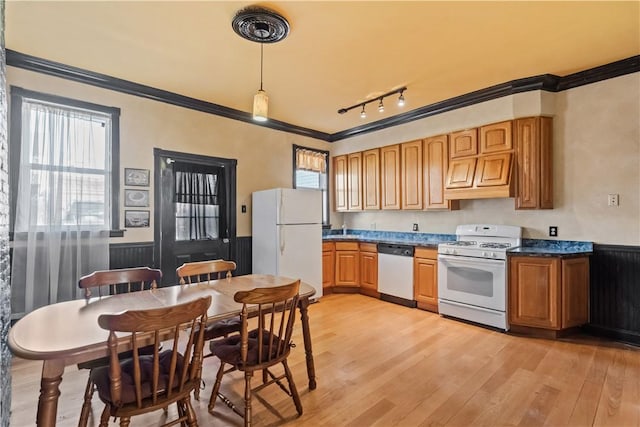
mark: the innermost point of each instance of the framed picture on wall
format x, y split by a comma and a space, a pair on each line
136, 177
134, 219
136, 198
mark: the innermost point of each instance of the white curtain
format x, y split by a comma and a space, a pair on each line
62, 218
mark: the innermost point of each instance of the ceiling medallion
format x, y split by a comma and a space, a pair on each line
261, 25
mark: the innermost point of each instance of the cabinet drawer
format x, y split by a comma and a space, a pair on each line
428, 253
327, 246
346, 246
368, 247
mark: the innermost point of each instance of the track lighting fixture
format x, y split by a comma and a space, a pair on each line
401, 99
363, 114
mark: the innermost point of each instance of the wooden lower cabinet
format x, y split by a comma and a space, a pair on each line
369, 269
328, 266
347, 265
548, 292
425, 278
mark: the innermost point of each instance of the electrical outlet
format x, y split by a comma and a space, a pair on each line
415, 226
613, 199
373, 225
553, 231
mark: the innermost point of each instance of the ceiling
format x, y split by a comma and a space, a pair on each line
337, 53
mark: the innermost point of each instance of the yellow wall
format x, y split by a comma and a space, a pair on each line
264, 155
596, 152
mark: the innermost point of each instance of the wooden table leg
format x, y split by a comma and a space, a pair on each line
48, 402
306, 334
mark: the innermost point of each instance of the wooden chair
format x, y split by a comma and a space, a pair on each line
120, 281
146, 383
261, 348
205, 271
109, 282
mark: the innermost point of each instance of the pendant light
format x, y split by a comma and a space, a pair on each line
261, 100
261, 25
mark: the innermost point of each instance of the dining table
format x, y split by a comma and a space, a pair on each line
67, 333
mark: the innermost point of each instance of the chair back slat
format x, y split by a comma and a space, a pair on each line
275, 308
119, 281
205, 271
160, 325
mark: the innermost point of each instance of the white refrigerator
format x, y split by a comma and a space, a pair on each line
287, 234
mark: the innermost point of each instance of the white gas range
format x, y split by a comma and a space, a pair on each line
472, 273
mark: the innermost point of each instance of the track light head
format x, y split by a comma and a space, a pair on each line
380, 106
363, 114
401, 99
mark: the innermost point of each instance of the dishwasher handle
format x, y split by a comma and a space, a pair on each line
395, 249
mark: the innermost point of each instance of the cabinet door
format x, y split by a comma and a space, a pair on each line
496, 137
534, 292
369, 270
425, 283
493, 170
435, 161
575, 292
390, 175
411, 160
328, 265
371, 179
461, 172
340, 182
463, 143
347, 264
533, 142
354, 187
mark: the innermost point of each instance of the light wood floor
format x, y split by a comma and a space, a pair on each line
380, 364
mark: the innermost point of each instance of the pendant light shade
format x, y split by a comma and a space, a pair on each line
260, 106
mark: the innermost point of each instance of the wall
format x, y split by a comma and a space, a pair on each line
596, 152
264, 155
5, 290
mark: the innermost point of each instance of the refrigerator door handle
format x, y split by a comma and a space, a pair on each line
281, 241
281, 214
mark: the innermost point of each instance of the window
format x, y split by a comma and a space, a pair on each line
198, 197
310, 170
64, 157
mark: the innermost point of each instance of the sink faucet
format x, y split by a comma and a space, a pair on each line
344, 229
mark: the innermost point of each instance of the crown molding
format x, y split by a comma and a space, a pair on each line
546, 82
68, 72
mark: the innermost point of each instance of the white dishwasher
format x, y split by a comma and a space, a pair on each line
395, 273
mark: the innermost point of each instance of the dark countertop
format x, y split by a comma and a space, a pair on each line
530, 247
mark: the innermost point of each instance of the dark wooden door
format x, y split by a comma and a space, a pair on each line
172, 252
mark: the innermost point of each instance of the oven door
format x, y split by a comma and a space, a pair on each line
475, 281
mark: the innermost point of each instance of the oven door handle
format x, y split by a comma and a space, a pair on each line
475, 262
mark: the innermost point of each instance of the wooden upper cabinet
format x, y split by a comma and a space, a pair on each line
340, 182
390, 177
354, 184
496, 137
463, 143
534, 169
435, 162
411, 159
371, 179
493, 170
461, 172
